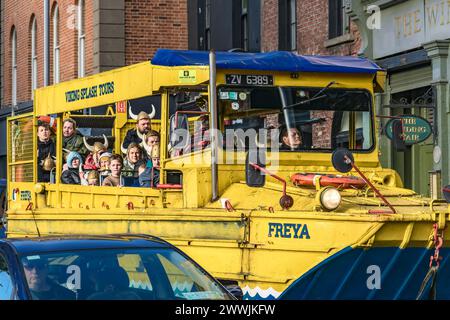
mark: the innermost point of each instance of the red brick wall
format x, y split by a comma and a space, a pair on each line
312, 29
18, 13
150, 25
269, 25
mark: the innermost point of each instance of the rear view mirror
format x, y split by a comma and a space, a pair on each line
397, 135
253, 176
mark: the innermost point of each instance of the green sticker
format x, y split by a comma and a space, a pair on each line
187, 76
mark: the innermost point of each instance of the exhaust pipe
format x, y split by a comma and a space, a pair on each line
213, 124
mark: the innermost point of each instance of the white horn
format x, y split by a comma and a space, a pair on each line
90, 148
132, 115
106, 144
124, 150
140, 135
147, 148
153, 114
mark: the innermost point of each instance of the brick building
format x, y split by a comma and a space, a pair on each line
99, 35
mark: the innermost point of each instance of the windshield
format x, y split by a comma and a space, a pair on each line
297, 118
118, 274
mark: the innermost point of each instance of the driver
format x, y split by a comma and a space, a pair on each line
291, 139
41, 286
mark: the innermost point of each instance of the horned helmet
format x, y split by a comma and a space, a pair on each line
139, 116
97, 146
48, 163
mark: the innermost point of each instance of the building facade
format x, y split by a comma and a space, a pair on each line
410, 40
85, 37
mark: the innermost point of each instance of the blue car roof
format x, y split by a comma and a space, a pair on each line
26, 246
270, 61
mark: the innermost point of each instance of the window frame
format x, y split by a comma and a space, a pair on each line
56, 47
287, 25
338, 20
81, 39
245, 34
14, 67
34, 64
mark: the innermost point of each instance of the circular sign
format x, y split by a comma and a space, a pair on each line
415, 129
437, 154
242, 96
235, 106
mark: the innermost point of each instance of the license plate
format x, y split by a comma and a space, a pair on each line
249, 79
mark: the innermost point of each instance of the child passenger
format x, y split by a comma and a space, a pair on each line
73, 174
115, 166
149, 174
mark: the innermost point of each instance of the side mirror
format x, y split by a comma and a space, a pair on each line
397, 135
339, 160
253, 176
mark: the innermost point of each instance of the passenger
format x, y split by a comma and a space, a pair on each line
143, 126
151, 139
116, 165
149, 174
72, 139
133, 160
46, 152
105, 161
40, 285
291, 141
93, 178
74, 173
93, 159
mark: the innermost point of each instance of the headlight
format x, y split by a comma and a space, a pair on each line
330, 198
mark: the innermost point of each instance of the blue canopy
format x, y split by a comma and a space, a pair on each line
270, 61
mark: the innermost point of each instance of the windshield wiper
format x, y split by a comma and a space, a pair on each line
315, 97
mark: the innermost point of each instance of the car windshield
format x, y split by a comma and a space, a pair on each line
118, 274
297, 118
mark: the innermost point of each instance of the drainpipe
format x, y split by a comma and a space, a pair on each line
213, 124
46, 42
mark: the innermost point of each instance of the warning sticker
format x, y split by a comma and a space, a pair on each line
187, 76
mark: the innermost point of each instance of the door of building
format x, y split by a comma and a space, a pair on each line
415, 163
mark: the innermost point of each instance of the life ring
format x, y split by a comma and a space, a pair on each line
311, 179
50, 120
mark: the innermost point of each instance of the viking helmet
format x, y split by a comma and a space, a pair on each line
155, 151
142, 114
48, 163
98, 146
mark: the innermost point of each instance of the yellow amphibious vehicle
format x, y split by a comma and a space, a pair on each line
269, 174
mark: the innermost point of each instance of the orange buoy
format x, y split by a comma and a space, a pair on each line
311, 179
50, 120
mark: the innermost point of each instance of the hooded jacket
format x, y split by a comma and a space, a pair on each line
72, 175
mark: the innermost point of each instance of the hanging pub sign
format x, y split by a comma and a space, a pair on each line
415, 129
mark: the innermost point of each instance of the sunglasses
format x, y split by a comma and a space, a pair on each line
37, 266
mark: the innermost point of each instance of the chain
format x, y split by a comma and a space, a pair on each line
438, 239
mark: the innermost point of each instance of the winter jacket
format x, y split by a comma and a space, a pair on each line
44, 149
